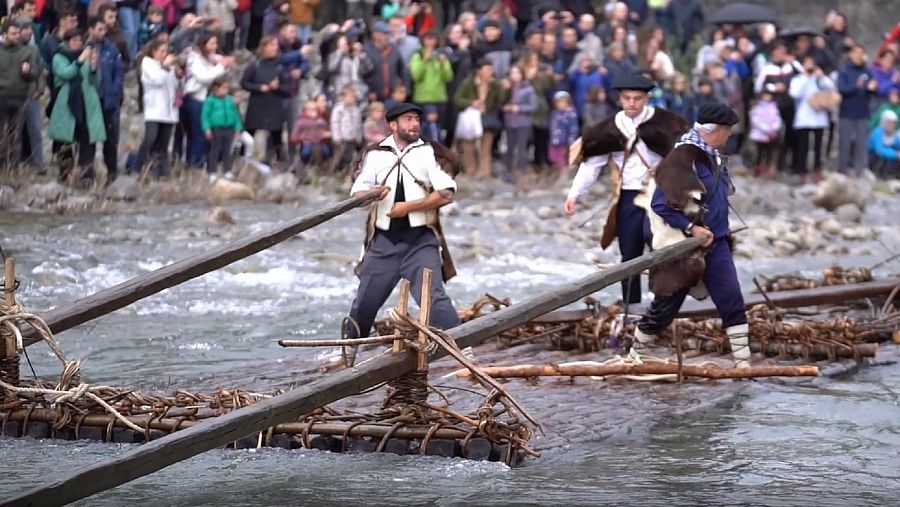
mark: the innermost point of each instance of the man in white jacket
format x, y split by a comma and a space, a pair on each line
404, 234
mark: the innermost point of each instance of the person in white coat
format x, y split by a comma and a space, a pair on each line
810, 118
159, 86
204, 65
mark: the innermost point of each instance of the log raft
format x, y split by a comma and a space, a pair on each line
289, 406
601, 370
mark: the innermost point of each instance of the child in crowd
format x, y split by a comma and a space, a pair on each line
705, 93
430, 128
322, 108
596, 109
563, 130
398, 95
679, 99
346, 128
221, 123
170, 13
311, 133
375, 128
765, 127
152, 26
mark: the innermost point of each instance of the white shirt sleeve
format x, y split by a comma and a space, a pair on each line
587, 174
366, 178
439, 179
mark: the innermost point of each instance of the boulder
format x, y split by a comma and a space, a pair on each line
831, 226
124, 188
223, 191
782, 248
837, 189
278, 186
858, 233
848, 213
251, 172
220, 215
548, 212
46, 192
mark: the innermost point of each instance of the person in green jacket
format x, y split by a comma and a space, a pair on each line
891, 104
221, 124
482, 92
18, 72
77, 116
431, 72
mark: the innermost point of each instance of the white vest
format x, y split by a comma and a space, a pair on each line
417, 163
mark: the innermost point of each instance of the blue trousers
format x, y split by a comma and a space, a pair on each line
722, 283
130, 21
197, 145
386, 262
633, 232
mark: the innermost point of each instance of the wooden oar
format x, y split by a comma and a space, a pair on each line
109, 300
211, 434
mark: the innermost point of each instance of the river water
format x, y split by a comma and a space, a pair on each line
828, 441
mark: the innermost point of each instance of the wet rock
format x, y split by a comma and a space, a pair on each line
251, 172
548, 212
793, 238
837, 250
813, 239
831, 226
7, 195
893, 186
858, 233
476, 210
848, 213
221, 215
45, 192
781, 248
124, 188
223, 191
279, 187
837, 189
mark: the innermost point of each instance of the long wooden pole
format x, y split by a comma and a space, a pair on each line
782, 299
109, 300
600, 370
182, 445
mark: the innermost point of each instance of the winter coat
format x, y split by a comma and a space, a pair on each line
688, 18
886, 79
220, 113
291, 59
200, 72
582, 82
265, 110
346, 123
682, 104
347, 69
524, 97
499, 54
170, 9
543, 85
388, 70
765, 122
595, 112
563, 127
62, 121
468, 93
803, 88
885, 106
148, 31
13, 84
880, 147
112, 72
308, 129
223, 10
303, 11
855, 102
430, 78
160, 89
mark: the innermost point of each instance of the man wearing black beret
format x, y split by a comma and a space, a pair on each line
404, 234
631, 143
690, 198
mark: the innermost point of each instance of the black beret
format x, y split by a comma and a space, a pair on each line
402, 108
491, 23
633, 82
718, 114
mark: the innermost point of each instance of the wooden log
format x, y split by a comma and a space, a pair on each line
601, 370
784, 299
424, 319
109, 300
815, 352
402, 308
213, 433
8, 345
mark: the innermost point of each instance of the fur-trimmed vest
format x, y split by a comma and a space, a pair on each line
677, 179
449, 162
659, 133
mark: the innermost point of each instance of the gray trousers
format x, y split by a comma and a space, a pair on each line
853, 133
385, 263
517, 149
34, 124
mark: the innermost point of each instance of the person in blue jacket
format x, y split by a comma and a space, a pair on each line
695, 168
884, 146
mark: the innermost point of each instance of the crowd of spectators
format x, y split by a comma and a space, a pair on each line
514, 82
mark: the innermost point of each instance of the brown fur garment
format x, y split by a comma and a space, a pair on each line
659, 133
676, 178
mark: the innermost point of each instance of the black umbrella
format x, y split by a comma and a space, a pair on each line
743, 13
793, 33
